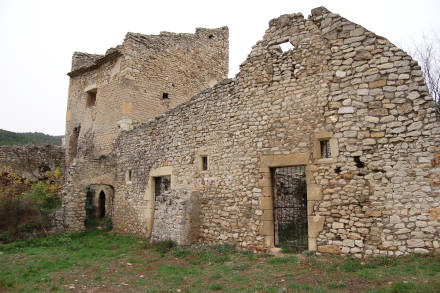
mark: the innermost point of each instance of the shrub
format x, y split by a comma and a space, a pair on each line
216, 287
26, 207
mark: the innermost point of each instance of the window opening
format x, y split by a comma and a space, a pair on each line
91, 97
165, 96
325, 148
211, 36
161, 186
128, 176
204, 163
286, 46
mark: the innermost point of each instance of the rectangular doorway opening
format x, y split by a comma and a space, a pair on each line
161, 187
290, 207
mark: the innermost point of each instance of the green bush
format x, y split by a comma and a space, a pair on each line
216, 287
26, 207
44, 198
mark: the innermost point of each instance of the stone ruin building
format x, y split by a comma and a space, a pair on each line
326, 140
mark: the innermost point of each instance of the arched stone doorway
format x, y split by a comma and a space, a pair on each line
99, 202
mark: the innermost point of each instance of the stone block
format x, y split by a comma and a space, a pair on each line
265, 181
268, 228
315, 225
373, 213
269, 241
314, 192
421, 251
266, 203
413, 243
267, 215
348, 242
377, 83
346, 110
332, 249
312, 244
337, 225
434, 214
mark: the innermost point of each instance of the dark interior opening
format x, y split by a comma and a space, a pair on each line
204, 163
325, 148
211, 36
102, 204
359, 164
165, 96
91, 98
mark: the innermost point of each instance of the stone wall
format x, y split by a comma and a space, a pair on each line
177, 217
340, 83
32, 162
136, 81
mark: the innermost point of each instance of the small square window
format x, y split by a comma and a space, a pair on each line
165, 96
91, 98
325, 148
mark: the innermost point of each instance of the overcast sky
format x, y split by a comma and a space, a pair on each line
39, 37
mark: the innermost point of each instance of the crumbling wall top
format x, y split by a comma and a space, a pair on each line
150, 40
82, 62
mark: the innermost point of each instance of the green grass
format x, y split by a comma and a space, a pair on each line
114, 262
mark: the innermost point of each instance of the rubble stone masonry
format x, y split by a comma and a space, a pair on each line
377, 192
32, 162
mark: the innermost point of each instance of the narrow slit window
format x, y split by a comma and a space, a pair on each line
128, 176
204, 163
286, 46
91, 98
325, 148
165, 96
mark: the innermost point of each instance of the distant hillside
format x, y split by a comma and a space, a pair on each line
13, 138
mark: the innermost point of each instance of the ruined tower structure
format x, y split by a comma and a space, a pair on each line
137, 81
326, 140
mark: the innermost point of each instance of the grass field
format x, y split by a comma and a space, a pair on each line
106, 262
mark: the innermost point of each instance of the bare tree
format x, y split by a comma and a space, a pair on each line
427, 53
